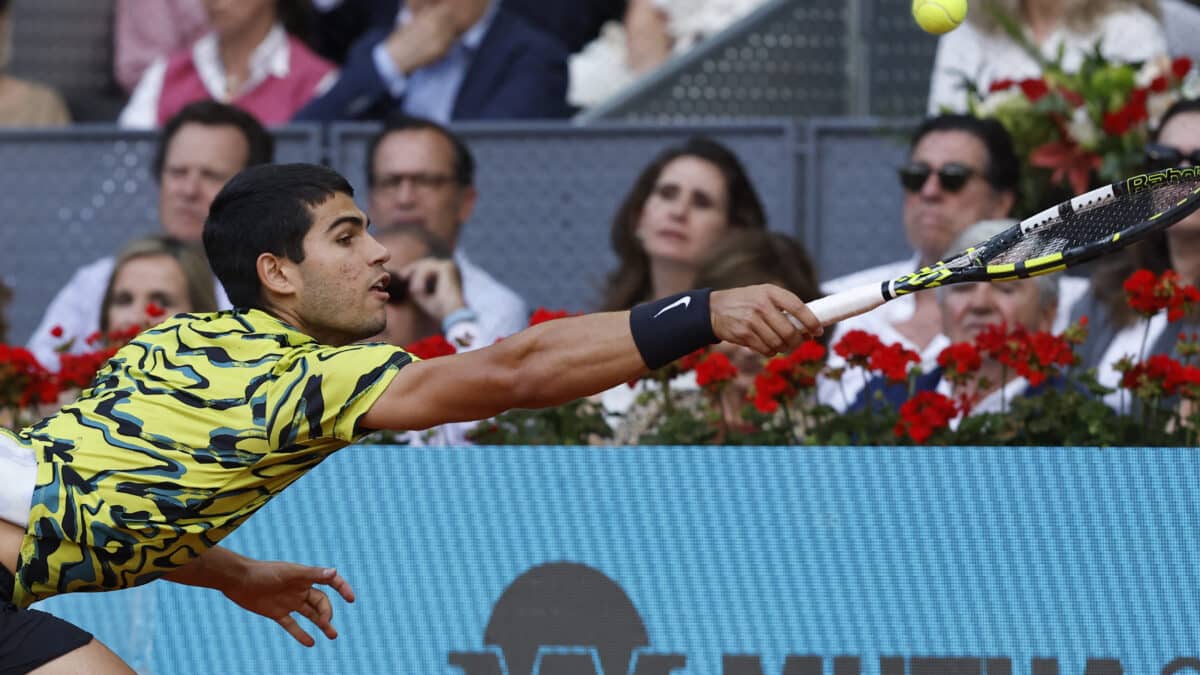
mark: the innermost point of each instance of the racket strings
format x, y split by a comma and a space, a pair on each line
1094, 225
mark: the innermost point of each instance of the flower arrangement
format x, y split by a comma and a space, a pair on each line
1076, 129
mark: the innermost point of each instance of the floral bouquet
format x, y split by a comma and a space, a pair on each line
1075, 130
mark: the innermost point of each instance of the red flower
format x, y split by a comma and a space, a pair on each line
856, 347
689, 362
925, 413
769, 389
431, 347
154, 311
1160, 84
1001, 85
892, 361
958, 360
1147, 294
1180, 67
542, 315
715, 370
1160, 374
1034, 89
57, 331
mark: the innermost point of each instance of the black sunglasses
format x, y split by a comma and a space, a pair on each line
952, 176
1160, 156
397, 288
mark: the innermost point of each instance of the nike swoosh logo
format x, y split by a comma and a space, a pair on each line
686, 301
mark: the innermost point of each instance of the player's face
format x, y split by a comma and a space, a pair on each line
686, 213
146, 290
343, 284
199, 160
934, 216
415, 183
969, 308
1182, 132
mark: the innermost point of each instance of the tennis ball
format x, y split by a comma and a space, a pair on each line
939, 16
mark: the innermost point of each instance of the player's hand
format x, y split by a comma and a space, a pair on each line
765, 318
435, 284
277, 589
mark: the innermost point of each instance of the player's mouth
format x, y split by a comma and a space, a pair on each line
380, 287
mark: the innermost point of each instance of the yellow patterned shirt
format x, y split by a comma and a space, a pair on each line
184, 434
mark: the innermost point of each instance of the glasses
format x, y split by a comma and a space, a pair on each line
1160, 156
420, 181
952, 176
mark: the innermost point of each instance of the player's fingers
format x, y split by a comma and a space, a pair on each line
799, 311
319, 610
289, 624
781, 329
331, 578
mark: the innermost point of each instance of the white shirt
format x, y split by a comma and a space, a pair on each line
272, 57
430, 91
1130, 35
883, 321
1129, 341
501, 311
76, 308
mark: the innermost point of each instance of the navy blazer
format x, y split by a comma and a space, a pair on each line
895, 395
517, 72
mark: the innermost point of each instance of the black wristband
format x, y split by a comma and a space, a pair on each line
667, 329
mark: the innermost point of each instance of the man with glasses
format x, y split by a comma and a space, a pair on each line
420, 174
960, 170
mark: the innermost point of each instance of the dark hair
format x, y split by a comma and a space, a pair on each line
260, 145
629, 284
1152, 253
744, 257
296, 16
264, 209
1003, 171
464, 161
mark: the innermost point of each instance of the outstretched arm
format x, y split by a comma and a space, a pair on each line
562, 360
272, 589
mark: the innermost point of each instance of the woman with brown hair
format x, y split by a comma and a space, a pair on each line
669, 222
155, 277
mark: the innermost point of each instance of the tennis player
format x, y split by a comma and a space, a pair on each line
201, 420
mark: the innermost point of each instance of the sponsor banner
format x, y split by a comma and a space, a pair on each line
723, 561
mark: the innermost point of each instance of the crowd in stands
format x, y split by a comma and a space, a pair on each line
212, 77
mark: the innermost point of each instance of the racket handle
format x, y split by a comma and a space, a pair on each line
859, 300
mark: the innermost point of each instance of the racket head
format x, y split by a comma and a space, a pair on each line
1096, 223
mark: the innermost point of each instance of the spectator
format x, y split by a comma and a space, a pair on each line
144, 32
669, 223
652, 31
249, 59
153, 278
449, 60
1114, 330
199, 149
966, 309
426, 291
419, 173
24, 103
980, 49
960, 170
743, 257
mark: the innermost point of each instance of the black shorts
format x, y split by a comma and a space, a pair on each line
30, 638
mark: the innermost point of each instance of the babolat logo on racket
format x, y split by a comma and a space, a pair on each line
1147, 181
926, 277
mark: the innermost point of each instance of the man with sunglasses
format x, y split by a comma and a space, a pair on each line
960, 170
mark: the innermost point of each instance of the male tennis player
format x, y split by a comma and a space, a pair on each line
201, 420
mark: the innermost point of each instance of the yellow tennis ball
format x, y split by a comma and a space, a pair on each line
939, 16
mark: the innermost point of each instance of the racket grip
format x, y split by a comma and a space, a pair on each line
859, 300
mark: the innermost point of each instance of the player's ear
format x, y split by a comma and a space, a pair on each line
276, 274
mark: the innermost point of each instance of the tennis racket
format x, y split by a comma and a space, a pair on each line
1080, 229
